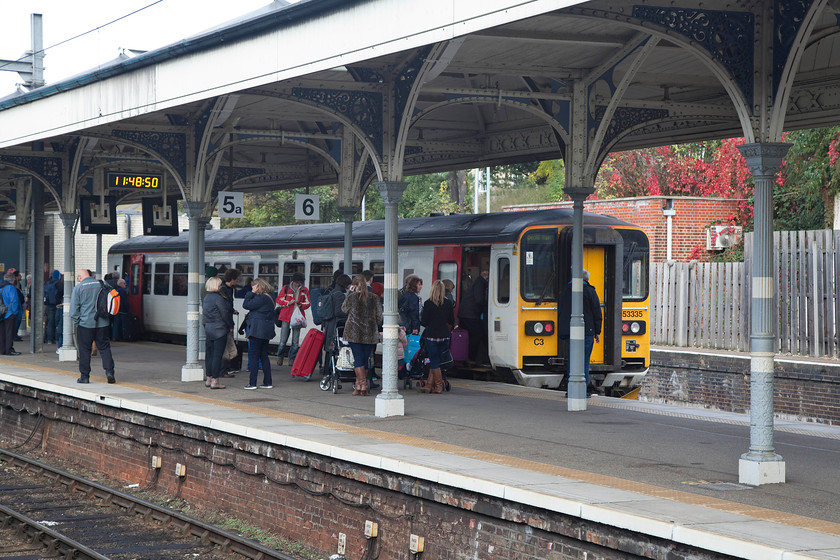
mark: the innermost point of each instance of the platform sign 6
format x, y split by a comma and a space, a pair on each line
231, 204
307, 207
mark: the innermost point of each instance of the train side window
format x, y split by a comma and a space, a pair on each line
503, 280
320, 275
247, 276
268, 272
378, 269
538, 256
290, 268
180, 274
357, 268
147, 278
448, 270
221, 267
161, 280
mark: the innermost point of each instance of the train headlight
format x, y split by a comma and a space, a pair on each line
539, 328
633, 327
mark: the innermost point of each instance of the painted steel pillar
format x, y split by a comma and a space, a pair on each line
202, 336
193, 370
97, 263
576, 394
389, 402
68, 352
21, 266
761, 464
348, 214
36, 307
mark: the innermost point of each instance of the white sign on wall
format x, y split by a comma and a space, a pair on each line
307, 207
231, 204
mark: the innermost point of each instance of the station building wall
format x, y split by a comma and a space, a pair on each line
693, 215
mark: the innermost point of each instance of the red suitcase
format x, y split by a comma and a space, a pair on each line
459, 345
307, 355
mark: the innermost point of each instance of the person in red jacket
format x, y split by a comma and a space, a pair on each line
291, 296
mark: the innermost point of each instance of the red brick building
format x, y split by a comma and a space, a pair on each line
691, 217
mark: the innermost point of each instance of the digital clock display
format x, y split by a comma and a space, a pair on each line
134, 181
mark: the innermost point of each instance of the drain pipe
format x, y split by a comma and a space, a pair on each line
669, 212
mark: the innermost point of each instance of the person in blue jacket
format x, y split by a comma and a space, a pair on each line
9, 295
259, 327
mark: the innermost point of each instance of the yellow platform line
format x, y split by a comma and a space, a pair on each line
679, 496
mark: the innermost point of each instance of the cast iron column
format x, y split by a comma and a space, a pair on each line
67, 352
193, 370
761, 464
389, 402
36, 307
576, 394
349, 214
202, 336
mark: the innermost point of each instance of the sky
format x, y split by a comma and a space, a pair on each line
152, 24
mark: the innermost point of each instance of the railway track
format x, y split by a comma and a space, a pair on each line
47, 512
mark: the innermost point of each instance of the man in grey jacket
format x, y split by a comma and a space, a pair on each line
89, 327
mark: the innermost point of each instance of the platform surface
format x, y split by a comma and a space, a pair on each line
665, 470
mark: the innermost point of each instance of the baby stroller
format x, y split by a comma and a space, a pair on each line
417, 368
338, 364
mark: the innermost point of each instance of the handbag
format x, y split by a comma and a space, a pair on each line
345, 358
277, 321
298, 320
230, 348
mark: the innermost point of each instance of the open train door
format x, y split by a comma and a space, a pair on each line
135, 288
446, 267
602, 254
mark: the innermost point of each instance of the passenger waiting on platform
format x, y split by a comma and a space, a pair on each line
119, 322
53, 296
90, 329
218, 322
22, 308
409, 304
592, 320
292, 296
472, 315
361, 331
332, 315
439, 320
260, 330
10, 300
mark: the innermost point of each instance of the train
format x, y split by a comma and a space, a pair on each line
527, 253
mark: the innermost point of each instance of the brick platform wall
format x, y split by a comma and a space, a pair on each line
804, 391
688, 226
308, 498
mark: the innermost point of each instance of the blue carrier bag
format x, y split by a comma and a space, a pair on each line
413, 347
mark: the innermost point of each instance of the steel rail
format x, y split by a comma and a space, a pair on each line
207, 533
53, 541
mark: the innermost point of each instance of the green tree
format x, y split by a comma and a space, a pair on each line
803, 197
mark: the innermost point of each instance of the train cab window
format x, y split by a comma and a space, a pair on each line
378, 269
180, 275
357, 268
161, 279
320, 275
290, 268
247, 276
147, 278
448, 270
503, 280
636, 265
268, 271
538, 256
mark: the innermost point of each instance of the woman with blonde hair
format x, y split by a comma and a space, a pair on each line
361, 331
439, 319
260, 330
218, 322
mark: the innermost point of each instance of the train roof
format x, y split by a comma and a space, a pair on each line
497, 227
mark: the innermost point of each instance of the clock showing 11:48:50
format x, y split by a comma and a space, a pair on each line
134, 181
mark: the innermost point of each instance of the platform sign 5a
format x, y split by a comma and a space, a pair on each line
231, 204
307, 207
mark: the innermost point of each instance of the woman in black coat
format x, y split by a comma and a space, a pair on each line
218, 322
439, 319
260, 330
